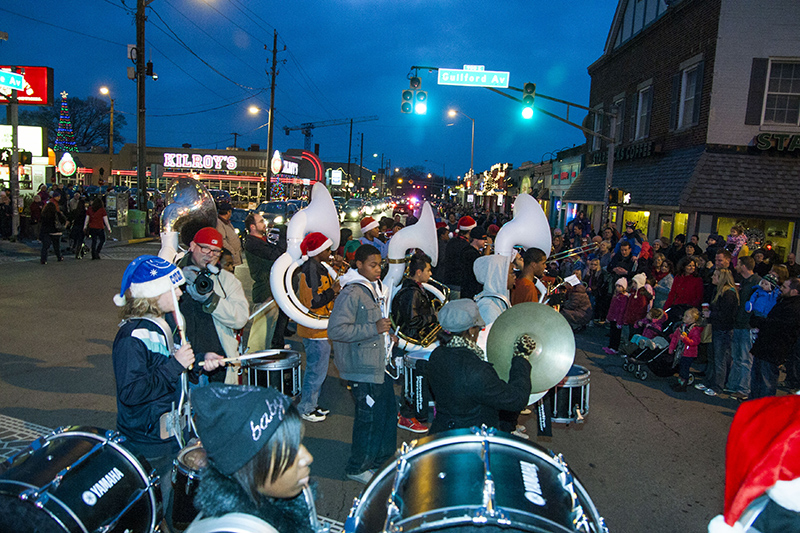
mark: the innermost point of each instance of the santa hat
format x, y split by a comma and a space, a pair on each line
762, 456
148, 276
441, 224
368, 223
314, 244
466, 223
209, 237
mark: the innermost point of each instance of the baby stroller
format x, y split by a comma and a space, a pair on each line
653, 356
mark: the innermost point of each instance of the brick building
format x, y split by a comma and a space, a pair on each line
707, 94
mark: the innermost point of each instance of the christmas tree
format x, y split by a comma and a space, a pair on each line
65, 139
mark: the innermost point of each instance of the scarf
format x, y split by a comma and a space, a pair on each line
462, 342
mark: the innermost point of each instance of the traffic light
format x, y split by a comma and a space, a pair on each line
407, 104
420, 102
618, 197
25, 158
528, 95
415, 82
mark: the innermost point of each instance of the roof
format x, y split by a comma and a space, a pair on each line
657, 180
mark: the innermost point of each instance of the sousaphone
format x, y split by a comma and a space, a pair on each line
555, 343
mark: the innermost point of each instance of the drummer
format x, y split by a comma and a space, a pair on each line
148, 363
257, 464
466, 387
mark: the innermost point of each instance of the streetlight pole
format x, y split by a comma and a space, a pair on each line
104, 90
454, 112
141, 145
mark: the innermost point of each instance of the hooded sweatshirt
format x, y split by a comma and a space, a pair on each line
492, 272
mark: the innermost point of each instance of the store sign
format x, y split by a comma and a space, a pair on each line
67, 166
36, 89
200, 161
29, 138
623, 153
782, 142
336, 177
473, 76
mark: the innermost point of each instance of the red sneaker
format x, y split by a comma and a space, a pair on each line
411, 424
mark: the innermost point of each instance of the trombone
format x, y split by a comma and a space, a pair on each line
586, 248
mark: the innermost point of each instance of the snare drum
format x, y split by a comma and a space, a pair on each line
571, 398
465, 478
279, 369
187, 470
79, 479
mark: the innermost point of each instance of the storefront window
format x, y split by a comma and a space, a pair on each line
640, 218
761, 232
681, 221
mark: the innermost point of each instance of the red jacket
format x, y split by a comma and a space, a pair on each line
691, 342
637, 306
686, 290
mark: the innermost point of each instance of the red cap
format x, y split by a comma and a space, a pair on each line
208, 236
314, 244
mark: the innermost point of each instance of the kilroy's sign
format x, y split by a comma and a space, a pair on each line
622, 153
781, 142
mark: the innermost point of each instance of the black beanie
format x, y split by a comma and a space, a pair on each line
235, 421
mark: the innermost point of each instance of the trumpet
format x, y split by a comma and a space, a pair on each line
586, 248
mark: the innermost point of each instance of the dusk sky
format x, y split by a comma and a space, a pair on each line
343, 59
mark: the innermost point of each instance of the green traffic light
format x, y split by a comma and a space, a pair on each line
527, 112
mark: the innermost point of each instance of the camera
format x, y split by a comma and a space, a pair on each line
204, 283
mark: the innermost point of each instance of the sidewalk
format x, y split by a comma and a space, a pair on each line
26, 250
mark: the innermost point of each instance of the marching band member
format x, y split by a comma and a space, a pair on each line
316, 290
370, 231
412, 313
467, 389
257, 463
496, 273
534, 264
452, 261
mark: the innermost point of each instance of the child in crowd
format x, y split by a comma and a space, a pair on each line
616, 312
683, 344
736, 239
763, 299
226, 261
638, 301
651, 326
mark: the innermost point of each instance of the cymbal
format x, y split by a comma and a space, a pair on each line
555, 343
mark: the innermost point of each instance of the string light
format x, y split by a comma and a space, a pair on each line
65, 139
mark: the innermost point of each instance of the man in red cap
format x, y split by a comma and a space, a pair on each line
370, 231
453, 271
214, 304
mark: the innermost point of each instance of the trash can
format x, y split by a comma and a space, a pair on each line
136, 221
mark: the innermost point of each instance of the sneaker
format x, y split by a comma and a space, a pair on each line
700, 386
411, 424
739, 396
609, 351
520, 434
710, 392
525, 412
362, 477
322, 411
313, 416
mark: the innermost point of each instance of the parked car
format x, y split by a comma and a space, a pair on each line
237, 221
299, 203
277, 213
220, 196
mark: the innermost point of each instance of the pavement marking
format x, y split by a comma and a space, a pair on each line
16, 434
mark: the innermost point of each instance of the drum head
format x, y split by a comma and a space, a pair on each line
443, 485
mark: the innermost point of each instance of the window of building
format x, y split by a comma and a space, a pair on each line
643, 110
639, 14
597, 127
782, 104
687, 90
688, 97
619, 104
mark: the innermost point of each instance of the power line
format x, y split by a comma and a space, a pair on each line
63, 28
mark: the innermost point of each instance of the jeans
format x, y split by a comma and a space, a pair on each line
684, 366
318, 355
97, 235
739, 378
47, 240
764, 379
721, 346
374, 426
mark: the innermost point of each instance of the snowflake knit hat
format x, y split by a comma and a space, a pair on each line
148, 276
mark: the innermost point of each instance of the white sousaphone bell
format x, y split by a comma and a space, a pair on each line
320, 215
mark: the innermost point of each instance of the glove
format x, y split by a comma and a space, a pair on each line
524, 346
190, 273
191, 290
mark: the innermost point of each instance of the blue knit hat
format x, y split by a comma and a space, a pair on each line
148, 276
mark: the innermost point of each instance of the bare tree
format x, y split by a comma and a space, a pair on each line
90, 122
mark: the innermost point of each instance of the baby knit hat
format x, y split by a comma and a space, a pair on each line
772, 279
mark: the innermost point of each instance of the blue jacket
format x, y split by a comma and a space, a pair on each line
148, 383
762, 302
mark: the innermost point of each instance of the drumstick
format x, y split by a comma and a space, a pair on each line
225, 360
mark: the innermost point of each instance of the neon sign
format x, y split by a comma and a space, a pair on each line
200, 161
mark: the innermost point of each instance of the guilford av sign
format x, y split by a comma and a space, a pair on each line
200, 161
473, 76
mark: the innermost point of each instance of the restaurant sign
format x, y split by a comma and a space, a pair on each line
782, 142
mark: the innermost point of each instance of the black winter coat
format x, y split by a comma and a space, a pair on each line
778, 334
412, 309
469, 392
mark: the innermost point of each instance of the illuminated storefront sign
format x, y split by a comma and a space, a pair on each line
37, 89
29, 138
206, 161
779, 141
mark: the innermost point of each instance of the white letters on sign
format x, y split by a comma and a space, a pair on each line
200, 161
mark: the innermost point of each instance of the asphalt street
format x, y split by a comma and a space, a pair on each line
651, 459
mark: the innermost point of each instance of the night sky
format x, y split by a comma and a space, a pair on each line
343, 59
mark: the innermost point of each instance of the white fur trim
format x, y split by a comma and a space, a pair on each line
157, 287
120, 300
371, 225
317, 251
718, 525
467, 228
786, 494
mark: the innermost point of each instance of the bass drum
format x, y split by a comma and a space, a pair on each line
467, 478
79, 479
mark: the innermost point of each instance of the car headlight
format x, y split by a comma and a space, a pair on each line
353, 213
236, 230
278, 220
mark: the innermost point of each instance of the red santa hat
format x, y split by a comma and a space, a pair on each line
466, 223
762, 456
313, 244
368, 223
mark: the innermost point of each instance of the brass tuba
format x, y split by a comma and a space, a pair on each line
421, 235
320, 215
188, 204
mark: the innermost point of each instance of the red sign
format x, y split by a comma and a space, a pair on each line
565, 175
38, 88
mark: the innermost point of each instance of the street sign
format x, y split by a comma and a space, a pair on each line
473, 76
11, 80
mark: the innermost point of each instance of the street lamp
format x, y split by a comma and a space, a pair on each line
453, 113
104, 91
444, 173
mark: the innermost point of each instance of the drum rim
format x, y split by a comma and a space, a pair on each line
284, 363
179, 467
467, 435
61, 505
427, 521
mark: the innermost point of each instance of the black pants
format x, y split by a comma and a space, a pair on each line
614, 335
98, 239
47, 239
278, 339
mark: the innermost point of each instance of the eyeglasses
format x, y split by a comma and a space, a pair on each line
209, 251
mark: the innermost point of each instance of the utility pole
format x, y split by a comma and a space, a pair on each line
361, 166
350, 148
236, 136
13, 165
141, 145
271, 126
